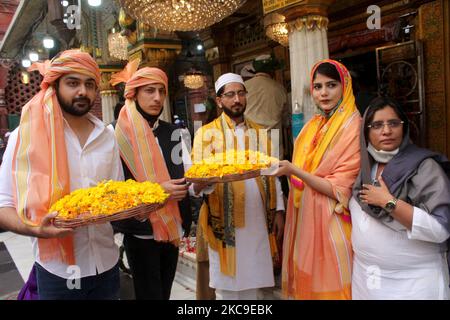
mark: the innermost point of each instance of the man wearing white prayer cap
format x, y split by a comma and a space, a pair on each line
247, 72
239, 228
233, 100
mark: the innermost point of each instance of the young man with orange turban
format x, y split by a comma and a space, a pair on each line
149, 148
57, 148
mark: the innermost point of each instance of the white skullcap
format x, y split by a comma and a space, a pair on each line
263, 57
248, 71
226, 79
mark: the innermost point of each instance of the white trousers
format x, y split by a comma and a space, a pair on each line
251, 294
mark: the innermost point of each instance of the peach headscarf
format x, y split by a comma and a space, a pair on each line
139, 149
40, 169
317, 254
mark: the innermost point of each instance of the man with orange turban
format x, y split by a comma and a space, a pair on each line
57, 148
150, 150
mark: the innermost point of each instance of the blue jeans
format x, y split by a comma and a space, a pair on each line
104, 286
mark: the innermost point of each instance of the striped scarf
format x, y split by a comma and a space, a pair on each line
40, 169
140, 151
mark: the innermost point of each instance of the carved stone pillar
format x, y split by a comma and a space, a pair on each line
4, 71
308, 43
109, 96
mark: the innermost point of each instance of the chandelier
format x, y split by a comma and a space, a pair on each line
193, 80
276, 28
117, 45
180, 15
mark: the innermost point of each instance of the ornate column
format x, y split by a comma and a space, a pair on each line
166, 114
4, 71
108, 95
308, 43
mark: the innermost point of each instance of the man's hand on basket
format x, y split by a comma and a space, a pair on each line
48, 230
177, 188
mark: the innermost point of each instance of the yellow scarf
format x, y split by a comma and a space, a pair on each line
315, 138
224, 208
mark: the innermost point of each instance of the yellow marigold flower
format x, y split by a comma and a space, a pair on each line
108, 197
230, 162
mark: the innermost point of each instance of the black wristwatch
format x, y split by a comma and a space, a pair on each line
390, 206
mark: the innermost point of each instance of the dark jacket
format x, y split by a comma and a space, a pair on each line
176, 171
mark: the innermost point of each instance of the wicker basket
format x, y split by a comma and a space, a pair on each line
86, 219
227, 178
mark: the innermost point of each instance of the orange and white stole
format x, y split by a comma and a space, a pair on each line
40, 169
142, 155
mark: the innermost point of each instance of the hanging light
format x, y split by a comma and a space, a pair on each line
180, 15
34, 56
276, 28
25, 77
26, 63
64, 3
94, 3
48, 42
117, 45
193, 80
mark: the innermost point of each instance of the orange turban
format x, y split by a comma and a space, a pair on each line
70, 61
142, 77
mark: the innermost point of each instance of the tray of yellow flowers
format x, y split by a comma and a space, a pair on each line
230, 166
108, 201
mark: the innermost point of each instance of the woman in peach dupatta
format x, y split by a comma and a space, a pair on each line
317, 253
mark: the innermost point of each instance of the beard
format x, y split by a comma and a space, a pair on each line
77, 107
234, 114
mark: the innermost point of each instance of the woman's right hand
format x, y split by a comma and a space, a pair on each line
285, 168
177, 188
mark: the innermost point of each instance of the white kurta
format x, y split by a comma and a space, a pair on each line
395, 263
254, 268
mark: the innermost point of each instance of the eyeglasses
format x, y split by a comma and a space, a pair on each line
378, 125
232, 94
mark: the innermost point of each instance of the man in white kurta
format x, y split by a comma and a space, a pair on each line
254, 267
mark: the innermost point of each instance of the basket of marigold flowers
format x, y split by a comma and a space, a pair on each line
230, 166
108, 201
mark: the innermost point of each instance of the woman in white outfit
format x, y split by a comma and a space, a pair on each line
400, 212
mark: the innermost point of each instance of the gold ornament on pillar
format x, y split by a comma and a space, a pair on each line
117, 45
193, 80
180, 15
310, 22
276, 28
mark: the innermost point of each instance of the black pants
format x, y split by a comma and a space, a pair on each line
153, 265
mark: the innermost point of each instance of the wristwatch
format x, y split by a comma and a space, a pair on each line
390, 206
